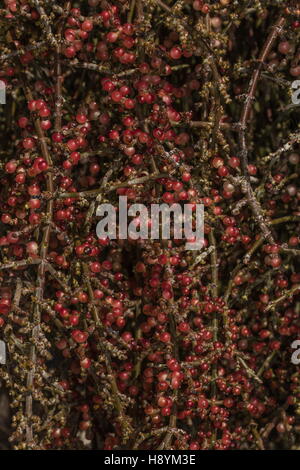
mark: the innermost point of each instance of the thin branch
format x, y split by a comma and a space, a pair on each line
45, 21
243, 123
294, 290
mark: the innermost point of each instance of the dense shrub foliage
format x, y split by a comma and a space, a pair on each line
142, 344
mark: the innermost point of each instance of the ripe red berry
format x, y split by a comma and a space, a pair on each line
79, 336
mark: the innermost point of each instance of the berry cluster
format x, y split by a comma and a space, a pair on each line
141, 344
